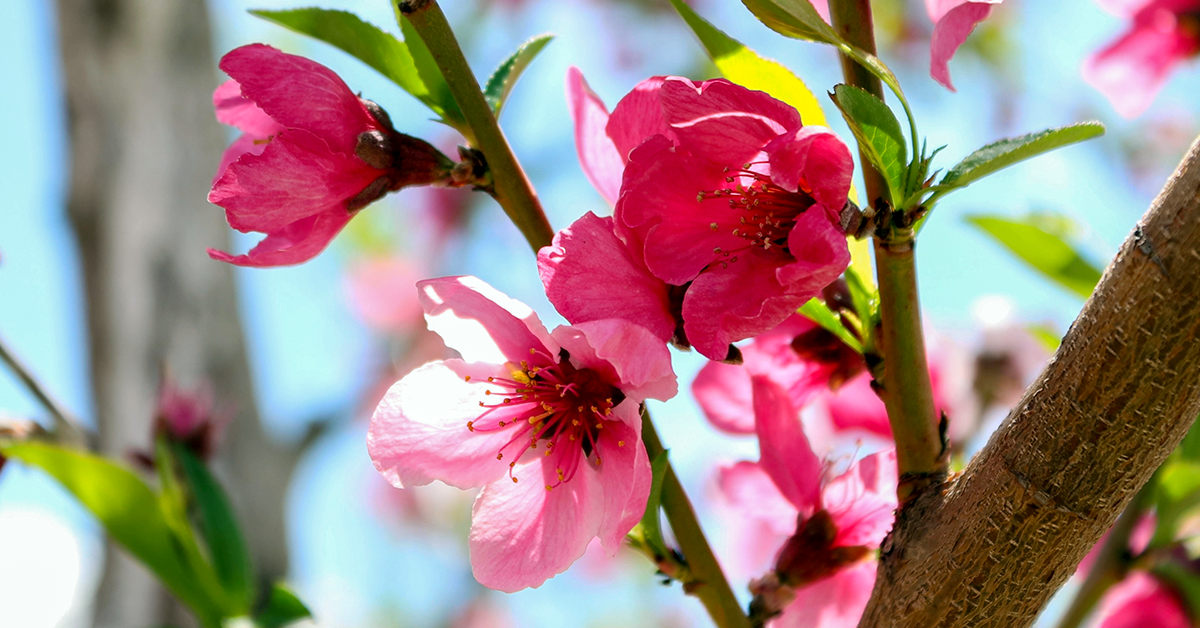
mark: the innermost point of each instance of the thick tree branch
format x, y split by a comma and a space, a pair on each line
991, 547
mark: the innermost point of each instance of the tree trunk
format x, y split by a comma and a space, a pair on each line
144, 144
990, 547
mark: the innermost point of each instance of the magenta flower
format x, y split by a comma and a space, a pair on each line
1131, 70
1141, 600
737, 204
953, 21
821, 529
189, 418
310, 156
547, 423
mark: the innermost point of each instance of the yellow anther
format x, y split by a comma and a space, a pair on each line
549, 488
499, 456
491, 379
514, 480
521, 377
471, 425
532, 351
599, 426
467, 378
712, 225
597, 461
620, 443
547, 451
501, 423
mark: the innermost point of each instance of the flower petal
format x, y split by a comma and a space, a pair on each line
835, 602
597, 154
627, 355
638, 117
590, 274
856, 406
724, 395
419, 431
862, 501
522, 534
293, 243
750, 489
950, 30
821, 253
786, 454
1132, 70
238, 111
723, 122
294, 177
624, 475
1141, 600
299, 93
814, 156
484, 324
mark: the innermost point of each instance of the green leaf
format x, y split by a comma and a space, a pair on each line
506, 76
1178, 492
794, 18
743, 66
222, 535
878, 133
282, 608
820, 314
1002, 154
361, 40
1185, 582
1044, 251
428, 70
1046, 336
1189, 449
131, 514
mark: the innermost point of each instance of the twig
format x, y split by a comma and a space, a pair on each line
64, 421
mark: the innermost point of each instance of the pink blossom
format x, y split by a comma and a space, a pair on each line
738, 204
820, 528
1131, 70
381, 291
1139, 540
311, 155
188, 417
547, 423
953, 21
1141, 600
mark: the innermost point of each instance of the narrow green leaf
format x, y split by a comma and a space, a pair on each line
506, 76
744, 67
794, 18
820, 314
361, 40
220, 530
1045, 252
1004, 153
428, 70
878, 133
283, 608
130, 513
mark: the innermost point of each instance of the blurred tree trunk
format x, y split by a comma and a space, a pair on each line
139, 78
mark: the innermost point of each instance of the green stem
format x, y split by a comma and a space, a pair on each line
1112, 563
709, 582
511, 187
66, 427
907, 391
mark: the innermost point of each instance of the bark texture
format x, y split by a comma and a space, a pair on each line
139, 76
990, 547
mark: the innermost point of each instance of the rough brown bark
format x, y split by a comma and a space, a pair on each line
139, 75
991, 547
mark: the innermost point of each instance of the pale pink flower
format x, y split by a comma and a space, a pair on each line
953, 21
817, 530
382, 292
547, 423
1140, 600
1131, 70
310, 156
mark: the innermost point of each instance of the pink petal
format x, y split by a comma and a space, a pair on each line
624, 475
956, 21
243, 145
483, 324
293, 243
813, 155
1132, 70
638, 117
724, 122
294, 177
625, 354
835, 602
821, 255
590, 274
659, 202
597, 154
752, 492
237, 111
862, 501
1124, 8
724, 395
856, 406
729, 304
522, 534
383, 293
419, 431
786, 454
299, 94
1140, 600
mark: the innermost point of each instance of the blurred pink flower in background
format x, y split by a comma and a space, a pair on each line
1141, 601
311, 154
953, 21
548, 423
1131, 70
188, 417
819, 529
383, 293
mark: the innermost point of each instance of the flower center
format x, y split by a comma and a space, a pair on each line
557, 407
765, 213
